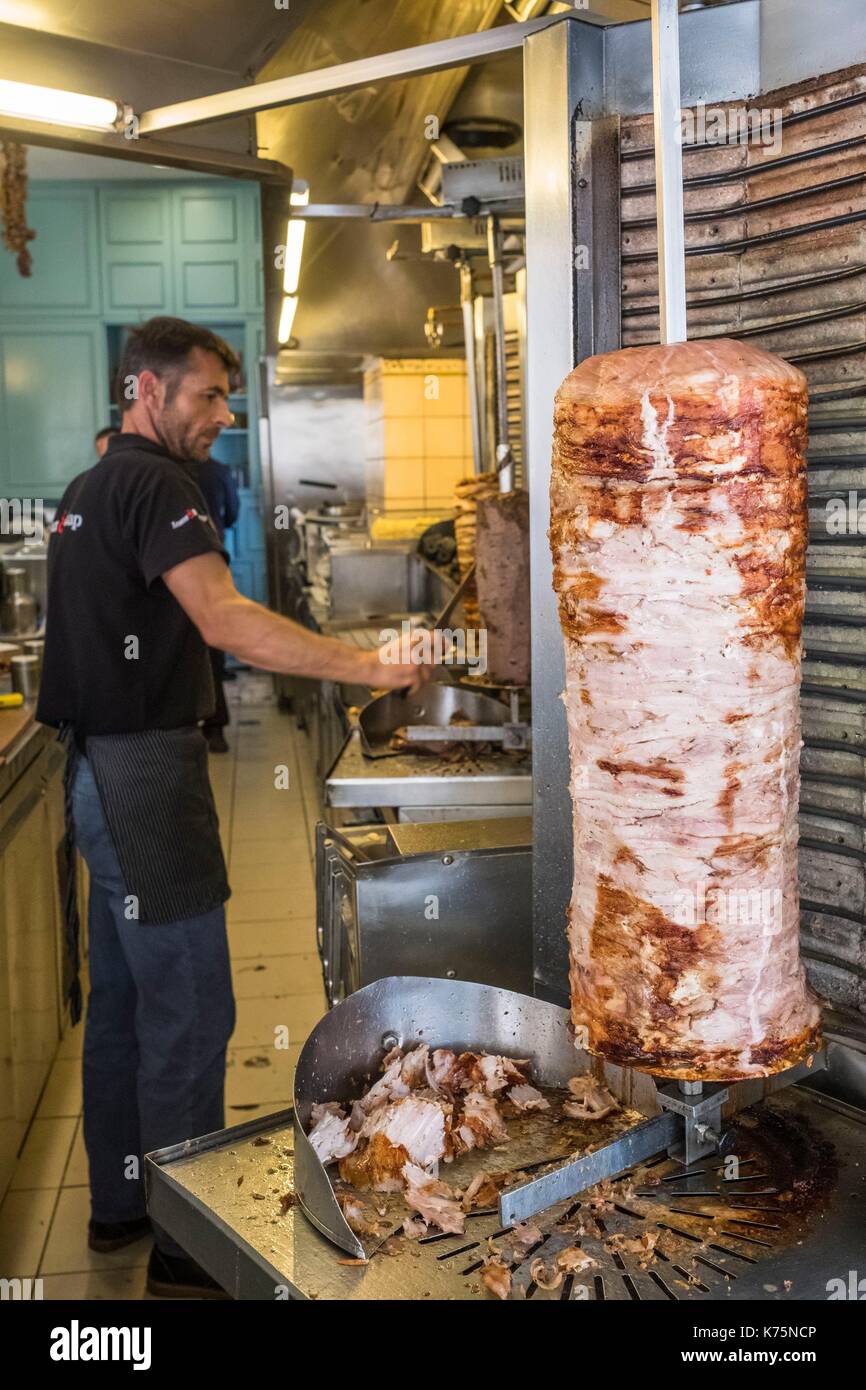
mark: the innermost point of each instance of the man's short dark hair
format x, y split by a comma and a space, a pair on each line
105, 432
162, 346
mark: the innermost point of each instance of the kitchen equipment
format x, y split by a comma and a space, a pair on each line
346, 1047
423, 787
25, 675
451, 603
343, 509
7, 651
769, 1255
433, 707
514, 735
18, 609
787, 1222
376, 581
15, 581
35, 646
429, 897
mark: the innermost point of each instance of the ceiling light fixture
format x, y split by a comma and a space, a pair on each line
295, 231
23, 100
287, 319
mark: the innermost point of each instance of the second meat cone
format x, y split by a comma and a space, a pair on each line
678, 530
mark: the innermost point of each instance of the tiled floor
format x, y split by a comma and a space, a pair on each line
268, 833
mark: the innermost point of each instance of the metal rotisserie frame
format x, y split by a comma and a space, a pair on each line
587, 94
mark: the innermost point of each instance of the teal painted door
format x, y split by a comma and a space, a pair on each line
105, 257
51, 381
65, 276
136, 233
211, 239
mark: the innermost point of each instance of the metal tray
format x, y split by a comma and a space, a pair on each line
435, 704
257, 1253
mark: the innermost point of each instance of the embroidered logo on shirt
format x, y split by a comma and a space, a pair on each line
190, 515
67, 521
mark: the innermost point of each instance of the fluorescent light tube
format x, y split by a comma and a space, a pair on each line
58, 108
295, 232
287, 318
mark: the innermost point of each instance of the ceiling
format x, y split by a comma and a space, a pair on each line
235, 35
359, 146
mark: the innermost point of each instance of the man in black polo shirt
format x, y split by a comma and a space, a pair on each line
138, 588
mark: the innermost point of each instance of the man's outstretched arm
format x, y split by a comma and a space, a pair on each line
205, 590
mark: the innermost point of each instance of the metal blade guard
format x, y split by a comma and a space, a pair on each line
345, 1050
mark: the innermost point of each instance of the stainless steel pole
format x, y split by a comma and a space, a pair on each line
467, 305
504, 461
563, 79
669, 171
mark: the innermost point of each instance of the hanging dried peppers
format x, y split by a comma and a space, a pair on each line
13, 204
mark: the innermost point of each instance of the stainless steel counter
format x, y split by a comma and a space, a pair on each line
21, 752
32, 963
415, 779
219, 1196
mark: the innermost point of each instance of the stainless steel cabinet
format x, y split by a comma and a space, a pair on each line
451, 900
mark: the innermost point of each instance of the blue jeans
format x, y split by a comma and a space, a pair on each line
160, 1012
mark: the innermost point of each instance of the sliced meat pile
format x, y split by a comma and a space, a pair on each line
678, 531
427, 1106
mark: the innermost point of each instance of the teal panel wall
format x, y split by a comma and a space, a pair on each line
212, 241
136, 252
106, 256
65, 276
52, 380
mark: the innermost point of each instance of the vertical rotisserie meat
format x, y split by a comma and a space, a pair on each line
678, 530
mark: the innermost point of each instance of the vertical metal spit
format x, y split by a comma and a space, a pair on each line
467, 306
504, 460
669, 170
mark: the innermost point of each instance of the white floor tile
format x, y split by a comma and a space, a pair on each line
44, 1156
293, 937
25, 1218
255, 1075
259, 1019
267, 849
67, 1251
272, 904
77, 1169
108, 1284
62, 1094
289, 876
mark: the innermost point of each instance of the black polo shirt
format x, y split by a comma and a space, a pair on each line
120, 653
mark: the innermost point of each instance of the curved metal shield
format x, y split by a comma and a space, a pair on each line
344, 1051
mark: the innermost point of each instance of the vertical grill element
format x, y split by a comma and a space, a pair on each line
776, 256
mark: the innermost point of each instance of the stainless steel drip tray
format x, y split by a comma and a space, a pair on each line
219, 1196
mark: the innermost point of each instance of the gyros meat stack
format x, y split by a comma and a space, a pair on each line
678, 530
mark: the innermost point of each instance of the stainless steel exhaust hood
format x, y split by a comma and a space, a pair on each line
361, 147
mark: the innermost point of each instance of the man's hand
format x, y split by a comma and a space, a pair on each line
390, 671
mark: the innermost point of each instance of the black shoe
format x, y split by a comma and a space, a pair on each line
174, 1276
104, 1236
215, 741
